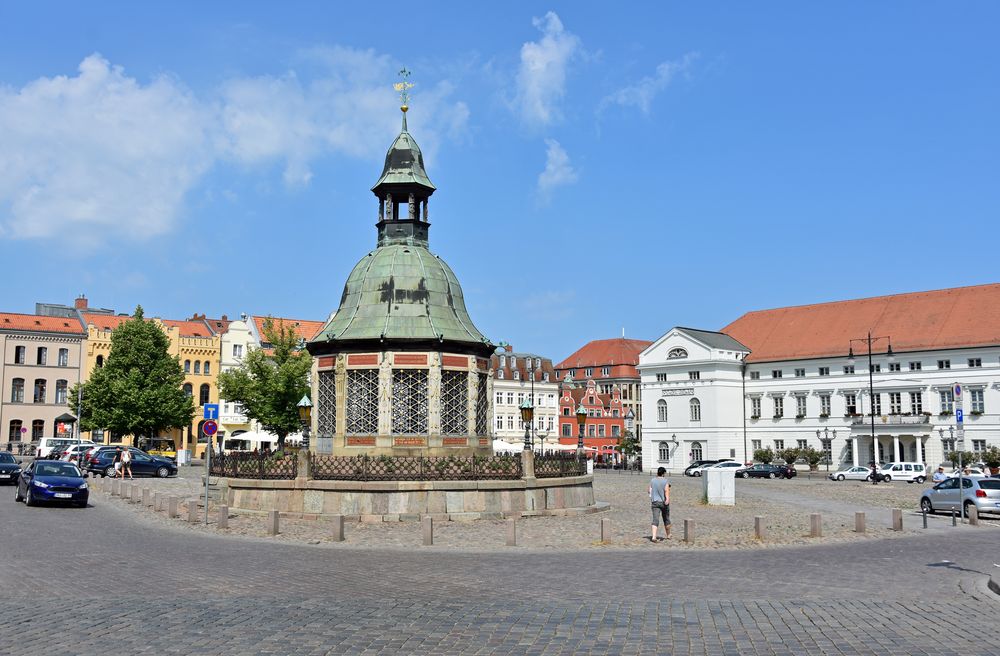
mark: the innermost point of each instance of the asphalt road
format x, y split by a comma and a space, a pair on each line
100, 580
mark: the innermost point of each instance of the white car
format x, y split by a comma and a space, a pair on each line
728, 465
851, 474
75, 452
974, 472
697, 471
904, 471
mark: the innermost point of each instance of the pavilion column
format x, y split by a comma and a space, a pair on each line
385, 395
920, 449
434, 395
854, 450
473, 398
340, 385
895, 448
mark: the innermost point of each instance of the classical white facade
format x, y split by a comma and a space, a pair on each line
701, 400
515, 377
236, 342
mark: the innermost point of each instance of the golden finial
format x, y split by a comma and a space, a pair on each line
403, 89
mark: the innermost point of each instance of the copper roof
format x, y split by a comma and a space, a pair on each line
601, 352
919, 321
39, 323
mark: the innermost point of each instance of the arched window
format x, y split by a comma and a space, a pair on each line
37, 429
517, 375
40, 390
63, 357
664, 452
197, 367
17, 391
677, 353
203, 393
207, 369
187, 366
61, 388
500, 374
100, 361
15, 430
661, 411
695, 451
188, 389
695, 410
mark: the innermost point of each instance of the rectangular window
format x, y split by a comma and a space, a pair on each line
61, 389
877, 404
499, 400
916, 366
893, 366
520, 398
510, 398
754, 375
17, 391
499, 423
975, 362
552, 423
824, 371
851, 402
588, 372
590, 431
779, 445
779, 407
978, 406
510, 422
600, 431
849, 369
947, 401
616, 431
755, 407
876, 368
39, 391
802, 444
19, 354
43, 355
63, 357
755, 445
916, 403
895, 403
824, 405
566, 430
947, 444
776, 373
944, 364
237, 350
694, 375
661, 378
978, 446
605, 371
800, 406
551, 400
800, 373
828, 451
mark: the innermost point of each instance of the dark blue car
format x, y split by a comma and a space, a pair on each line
52, 480
103, 463
9, 468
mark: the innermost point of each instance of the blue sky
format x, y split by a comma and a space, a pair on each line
597, 168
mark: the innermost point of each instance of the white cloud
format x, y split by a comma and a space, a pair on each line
541, 79
558, 170
641, 93
98, 152
101, 155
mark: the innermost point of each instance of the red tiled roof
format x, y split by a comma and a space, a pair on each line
940, 319
303, 328
188, 328
601, 352
105, 321
38, 323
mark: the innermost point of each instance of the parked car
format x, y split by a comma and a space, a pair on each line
75, 452
728, 465
697, 471
51, 480
858, 473
9, 468
761, 470
787, 471
47, 445
974, 472
103, 462
697, 464
904, 471
981, 492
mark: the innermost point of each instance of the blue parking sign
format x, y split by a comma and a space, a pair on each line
959, 415
211, 411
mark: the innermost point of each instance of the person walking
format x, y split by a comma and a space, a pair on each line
659, 498
127, 463
117, 462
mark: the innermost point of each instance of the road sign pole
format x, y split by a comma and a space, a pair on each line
208, 472
209, 428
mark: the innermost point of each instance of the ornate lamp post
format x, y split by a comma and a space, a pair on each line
581, 419
527, 412
869, 340
305, 416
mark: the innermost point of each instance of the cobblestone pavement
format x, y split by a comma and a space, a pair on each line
97, 580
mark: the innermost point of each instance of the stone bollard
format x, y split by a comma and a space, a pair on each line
158, 501
147, 497
116, 487
973, 515
897, 519
272, 522
223, 519
689, 531
427, 528
605, 530
135, 493
192, 507
758, 527
338, 528
859, 522
172, 507
815, 525
511, 532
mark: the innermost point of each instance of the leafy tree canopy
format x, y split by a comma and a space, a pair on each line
765, 456
138, 390
269, 383
630, 444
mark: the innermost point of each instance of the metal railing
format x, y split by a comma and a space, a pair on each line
254, 465
892, 420
559, 464
20, 448
415, 468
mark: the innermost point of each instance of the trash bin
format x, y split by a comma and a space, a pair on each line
183, 457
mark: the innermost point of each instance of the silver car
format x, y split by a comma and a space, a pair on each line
983, 493
852, 474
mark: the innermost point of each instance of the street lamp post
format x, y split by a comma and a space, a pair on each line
869, 340
527, 412
305, 416
531, 376
581, 419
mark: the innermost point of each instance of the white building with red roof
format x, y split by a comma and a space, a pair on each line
800, 377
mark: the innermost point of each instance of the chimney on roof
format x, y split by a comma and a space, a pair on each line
80, 303
225, 318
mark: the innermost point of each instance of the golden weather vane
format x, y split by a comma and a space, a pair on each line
403, 89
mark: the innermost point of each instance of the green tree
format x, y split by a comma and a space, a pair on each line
269, 383
968, 457
991, 456
630, 444
138, 390
812, 456
765, 456
789, 455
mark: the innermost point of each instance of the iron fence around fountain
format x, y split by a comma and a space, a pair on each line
254, 465
415, 468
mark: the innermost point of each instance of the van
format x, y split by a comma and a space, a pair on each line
904, 471
47, 444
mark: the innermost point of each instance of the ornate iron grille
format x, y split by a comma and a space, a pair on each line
482, 408
254, 465
454, 403
362, 401
558, 464
409, 401
405, 468
326, 421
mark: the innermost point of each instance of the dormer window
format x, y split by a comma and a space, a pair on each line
677, 353
503, 360
517, 375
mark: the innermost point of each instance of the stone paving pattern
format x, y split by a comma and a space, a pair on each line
104, 579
